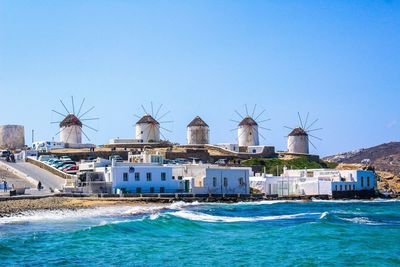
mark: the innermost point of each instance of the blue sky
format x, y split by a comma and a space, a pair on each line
338, 60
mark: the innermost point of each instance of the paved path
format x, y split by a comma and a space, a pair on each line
46, 178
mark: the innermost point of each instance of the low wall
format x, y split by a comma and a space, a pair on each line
49, 168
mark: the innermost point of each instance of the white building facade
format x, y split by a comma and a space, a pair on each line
315, 182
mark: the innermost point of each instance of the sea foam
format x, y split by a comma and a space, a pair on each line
198, 216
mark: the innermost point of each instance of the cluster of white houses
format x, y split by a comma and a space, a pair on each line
313, 182
152, 176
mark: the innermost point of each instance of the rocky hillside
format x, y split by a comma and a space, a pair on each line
384, 158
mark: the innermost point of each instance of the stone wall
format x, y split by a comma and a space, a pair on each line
12, 136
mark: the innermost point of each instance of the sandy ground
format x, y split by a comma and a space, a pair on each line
16, 206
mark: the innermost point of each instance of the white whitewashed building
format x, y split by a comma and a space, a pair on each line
315, 182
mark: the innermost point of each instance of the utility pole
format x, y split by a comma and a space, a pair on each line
33, 136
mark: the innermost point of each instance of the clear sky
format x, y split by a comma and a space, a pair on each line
338, 60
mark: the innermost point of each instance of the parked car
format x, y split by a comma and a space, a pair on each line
65, 166
5, 153
63, 163
65, 158
55, 162
73, 169
45, 158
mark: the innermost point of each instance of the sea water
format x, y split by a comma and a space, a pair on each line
267, 233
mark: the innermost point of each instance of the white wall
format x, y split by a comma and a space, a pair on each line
298, 144
224, 181
147, 131
248, 135
170, 185
71, 134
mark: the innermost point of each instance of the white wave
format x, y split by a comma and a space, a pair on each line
267, 202
361, 220
65, 215
376, 200
198, 216
323, 215
181, 204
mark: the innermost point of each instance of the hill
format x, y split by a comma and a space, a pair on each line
385, 159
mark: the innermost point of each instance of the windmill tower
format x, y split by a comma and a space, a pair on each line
299, 137
71, 130
198, 132
248, 129
248, 132
71, 126
148, 127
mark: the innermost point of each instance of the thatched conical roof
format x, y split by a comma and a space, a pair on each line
197, 121
298, 132
147, 119
70, 120
248, 121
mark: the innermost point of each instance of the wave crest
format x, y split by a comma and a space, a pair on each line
198, 216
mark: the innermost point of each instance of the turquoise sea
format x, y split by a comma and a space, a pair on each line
275, 233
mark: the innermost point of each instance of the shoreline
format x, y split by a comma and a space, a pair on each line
15, 206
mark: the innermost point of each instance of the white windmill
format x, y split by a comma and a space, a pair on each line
148, 127
248, 128
71, 126
299, 137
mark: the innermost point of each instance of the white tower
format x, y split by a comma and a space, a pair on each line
248, 132
198, 132
71, 130
148, 129
298, 141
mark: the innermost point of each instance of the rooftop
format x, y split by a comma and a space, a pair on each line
70, 120
147, 119
298, 132
248, 121
197, 122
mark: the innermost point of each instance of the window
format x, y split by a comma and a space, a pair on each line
151, 189
173, 177
345, 187
225, 182
341, 188
241, 182
335, 187
138, 190
163, 176
354, 187
368, 181
214, 181
125, 177
148, 176
162, 189
362, 181
180, 177
137, 176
